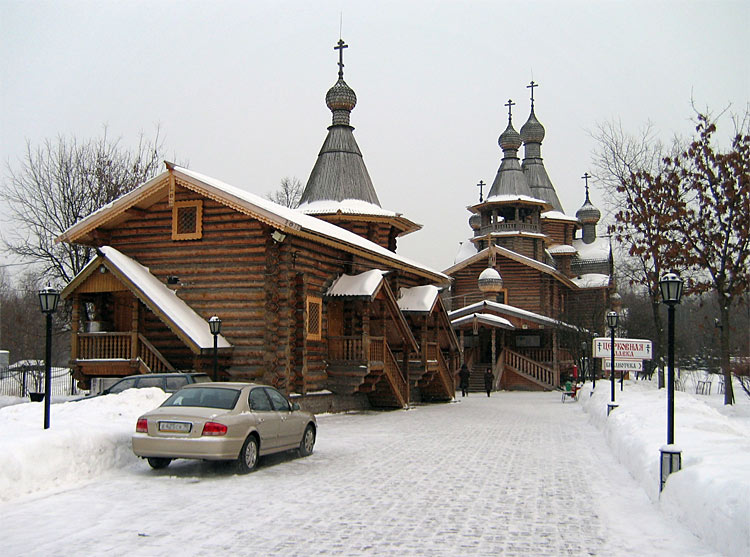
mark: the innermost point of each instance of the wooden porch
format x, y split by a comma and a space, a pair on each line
116, 354
366, 364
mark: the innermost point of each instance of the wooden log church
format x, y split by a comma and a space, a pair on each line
529, 290
311, 300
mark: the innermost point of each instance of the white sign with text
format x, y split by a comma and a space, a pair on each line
625, 348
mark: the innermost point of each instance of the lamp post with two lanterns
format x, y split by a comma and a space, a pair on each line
48, 299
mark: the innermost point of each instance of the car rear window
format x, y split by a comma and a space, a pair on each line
223, 398
176, 382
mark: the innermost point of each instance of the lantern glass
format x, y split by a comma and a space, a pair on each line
48, 299
612, 319
671, 288
215, 325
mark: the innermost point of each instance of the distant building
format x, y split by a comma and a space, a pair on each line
531, 283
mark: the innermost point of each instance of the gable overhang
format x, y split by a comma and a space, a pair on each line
510, 312
174, 312
509, 254
280, 218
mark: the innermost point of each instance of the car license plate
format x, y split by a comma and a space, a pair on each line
175, 427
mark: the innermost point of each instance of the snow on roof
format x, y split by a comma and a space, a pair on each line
591, 280
363, 284
486, 318
297, 220
346, 206
418, 298
181, 314
507, 310
562, 249
508, 197
598, 250
518, 233
557, 215
465, 250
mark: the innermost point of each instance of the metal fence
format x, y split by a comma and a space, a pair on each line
22, 382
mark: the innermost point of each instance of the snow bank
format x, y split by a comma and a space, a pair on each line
86, 438
711, 494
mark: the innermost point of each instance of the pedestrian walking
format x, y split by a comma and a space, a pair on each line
463, 379
489, 379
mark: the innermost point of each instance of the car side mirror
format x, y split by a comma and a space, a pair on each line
295, 406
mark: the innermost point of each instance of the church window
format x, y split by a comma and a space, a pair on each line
314, 318
187, 220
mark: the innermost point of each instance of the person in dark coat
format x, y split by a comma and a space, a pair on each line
488, 380
463, 379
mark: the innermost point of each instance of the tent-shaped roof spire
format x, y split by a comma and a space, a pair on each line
532, 134
339, 173
509, 179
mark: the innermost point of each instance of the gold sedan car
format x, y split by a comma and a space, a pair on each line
223, 421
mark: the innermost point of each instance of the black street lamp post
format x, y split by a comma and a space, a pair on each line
48, 299
215, 325
612, 319
671, 457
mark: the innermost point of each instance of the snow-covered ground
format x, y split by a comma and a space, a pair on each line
515, 474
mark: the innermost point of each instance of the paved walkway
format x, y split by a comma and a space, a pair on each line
514, 474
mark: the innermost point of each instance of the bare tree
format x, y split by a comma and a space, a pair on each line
289, 192
61, 181
711, 220
621, 164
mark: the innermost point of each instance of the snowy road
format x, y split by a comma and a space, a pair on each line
515, 474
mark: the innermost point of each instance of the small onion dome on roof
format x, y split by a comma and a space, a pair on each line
532, 131
588, 214
341, 97
510, 138
475, 221
490, 281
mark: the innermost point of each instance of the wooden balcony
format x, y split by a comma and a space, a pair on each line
96, 354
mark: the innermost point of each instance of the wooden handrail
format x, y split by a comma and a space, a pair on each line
396, 378
444, 373
530, 368
119, 346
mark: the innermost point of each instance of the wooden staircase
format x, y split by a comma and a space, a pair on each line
534, 372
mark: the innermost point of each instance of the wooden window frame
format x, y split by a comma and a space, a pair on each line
504, 292
311, 326
197, 233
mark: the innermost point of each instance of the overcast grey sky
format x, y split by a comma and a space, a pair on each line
238, 88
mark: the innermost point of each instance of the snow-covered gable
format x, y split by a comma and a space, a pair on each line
155, 294
418, 298
346, 206
597, 250
504, 309
591, 280
363, 284
465, 251
485, 319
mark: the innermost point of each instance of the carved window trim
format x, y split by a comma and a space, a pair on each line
314, 318
178, 212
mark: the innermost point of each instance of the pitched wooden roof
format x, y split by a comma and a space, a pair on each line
282, 218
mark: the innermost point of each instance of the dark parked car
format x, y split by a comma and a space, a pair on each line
167, 382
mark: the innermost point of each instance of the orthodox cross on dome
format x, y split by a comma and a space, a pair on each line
510, 105
586, 177
481, 185
341, 46
531, 86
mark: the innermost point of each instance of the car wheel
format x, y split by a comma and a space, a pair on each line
248, 459
158, 463
308, 441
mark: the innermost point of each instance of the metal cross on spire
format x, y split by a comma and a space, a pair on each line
586, 177
341, 46
531, 86
510, 105
481, 185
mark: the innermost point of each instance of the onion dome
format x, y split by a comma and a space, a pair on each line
341, 97
532, 131
490, 281
475, 221
510, 138
588, 214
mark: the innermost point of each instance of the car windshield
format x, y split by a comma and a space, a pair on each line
224, 398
